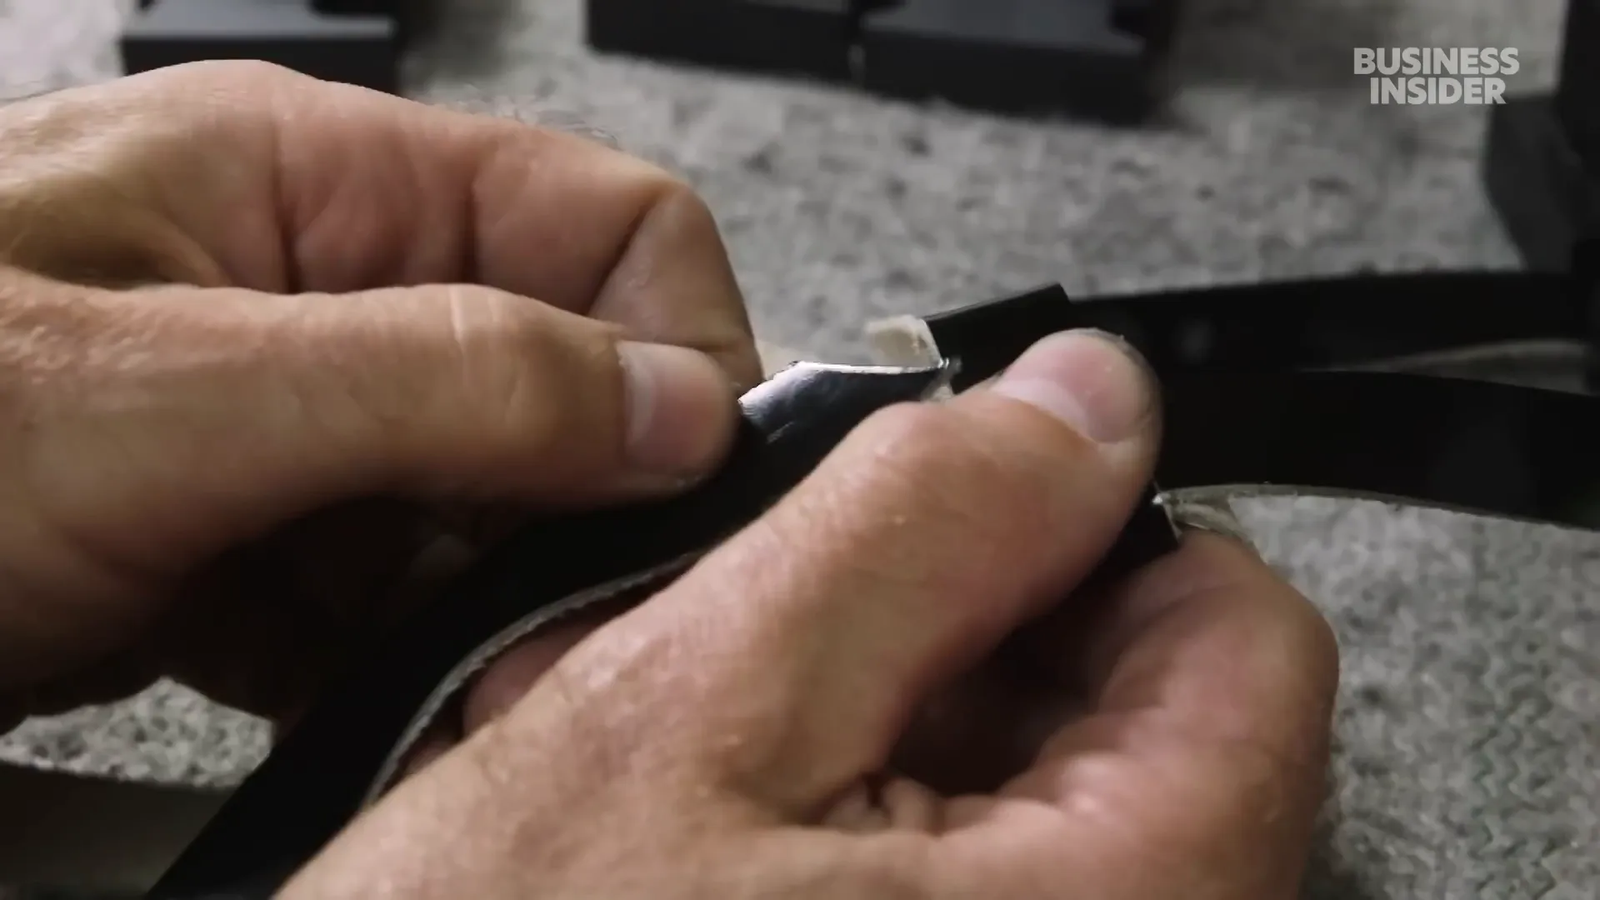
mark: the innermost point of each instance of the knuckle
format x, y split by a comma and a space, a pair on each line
674, 209
508, 354
933, 447
546, 373
915, 425
689, 217
721, 323
247, 73
951, 470
690, 211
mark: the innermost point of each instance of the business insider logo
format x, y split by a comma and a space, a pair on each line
1472, 76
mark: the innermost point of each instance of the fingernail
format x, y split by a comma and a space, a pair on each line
1094, 382
680, 406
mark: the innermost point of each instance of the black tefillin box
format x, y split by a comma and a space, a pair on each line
1543, 152
1092, 58
354, 41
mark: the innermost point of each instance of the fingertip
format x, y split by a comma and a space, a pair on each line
680, 408
1218, 635
1095, 384
1209, 561
1205, 562
1309, 635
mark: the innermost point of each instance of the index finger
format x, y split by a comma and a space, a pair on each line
268, 179
1214, 683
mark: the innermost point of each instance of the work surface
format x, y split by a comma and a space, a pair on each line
1469, 728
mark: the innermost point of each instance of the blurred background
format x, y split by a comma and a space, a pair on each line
1469, 727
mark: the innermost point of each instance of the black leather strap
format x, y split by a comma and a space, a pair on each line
1318, 323
1494, 449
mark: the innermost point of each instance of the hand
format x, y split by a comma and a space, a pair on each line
262, 338
876, 691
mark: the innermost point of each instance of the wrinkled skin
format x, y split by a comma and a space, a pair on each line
272, 353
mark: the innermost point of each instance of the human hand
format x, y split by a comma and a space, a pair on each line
876, 691
262, 338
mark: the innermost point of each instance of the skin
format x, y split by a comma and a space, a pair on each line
275, 353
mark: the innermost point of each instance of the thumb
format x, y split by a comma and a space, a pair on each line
791, 658
231, 410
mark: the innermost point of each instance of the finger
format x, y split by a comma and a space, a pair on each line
247, 174
233, 410
1209, 739
1213, 642
792, 656
509, 678
497, 689
975, 734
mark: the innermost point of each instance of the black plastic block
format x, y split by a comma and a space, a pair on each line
783, 37
1546, 198
1081, 56
357, 49
1577, 98
358, 7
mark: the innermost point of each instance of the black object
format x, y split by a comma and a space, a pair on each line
1239, 413
1542, 155
1547, 196
1089, 57
1094, 58
353, 41
1281, 326
799, 37
1470, 446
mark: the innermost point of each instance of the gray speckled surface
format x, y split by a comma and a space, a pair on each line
1469, 731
